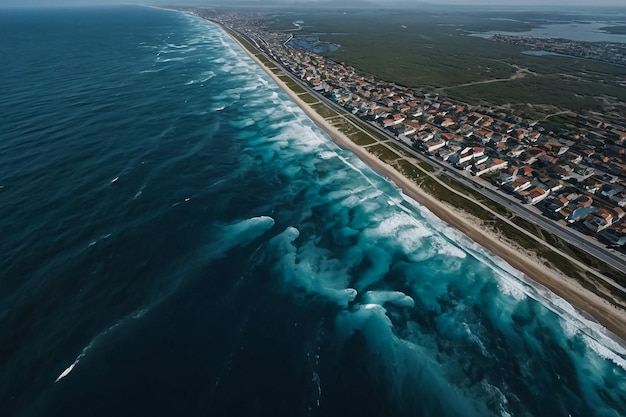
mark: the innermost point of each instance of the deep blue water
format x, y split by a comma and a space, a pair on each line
178, 238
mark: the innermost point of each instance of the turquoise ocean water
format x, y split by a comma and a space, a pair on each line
178, 238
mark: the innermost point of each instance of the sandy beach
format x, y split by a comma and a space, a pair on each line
611, 317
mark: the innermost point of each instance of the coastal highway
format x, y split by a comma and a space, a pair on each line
592, 247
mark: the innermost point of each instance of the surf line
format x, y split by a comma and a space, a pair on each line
103, 333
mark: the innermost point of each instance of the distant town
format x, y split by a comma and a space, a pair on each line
611, 52
576, 178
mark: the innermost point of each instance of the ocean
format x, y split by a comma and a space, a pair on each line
179, 238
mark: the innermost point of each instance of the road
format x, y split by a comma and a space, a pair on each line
592, 247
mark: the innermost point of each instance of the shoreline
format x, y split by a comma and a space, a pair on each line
583, 300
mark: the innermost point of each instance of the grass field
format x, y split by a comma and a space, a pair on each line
308, 98
408, 170
383, 153
323, 110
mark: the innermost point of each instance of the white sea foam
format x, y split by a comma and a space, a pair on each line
570, 328
139, 191
476, 340
391, 223
204, 77
69, 368
366, 196
380, 262
394, 297
496, 396
341, 194
171, 59
607, 349
242, 123
311, 268
265, 83
511, 286
406, 367
573, 322
445, 248
152, 70
165, 51
301, 139
101, 237
231, 98
243, 232
133, 316
174, 46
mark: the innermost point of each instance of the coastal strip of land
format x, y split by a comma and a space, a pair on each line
610, 316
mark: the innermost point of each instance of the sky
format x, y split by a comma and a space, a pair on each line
565, 3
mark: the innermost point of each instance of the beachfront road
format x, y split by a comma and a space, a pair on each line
592, 247
529, 213
589, 245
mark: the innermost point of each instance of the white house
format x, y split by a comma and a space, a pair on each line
433, 145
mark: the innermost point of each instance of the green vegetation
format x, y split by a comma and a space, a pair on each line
261, 57
323, 110
582, 94
497, 207
423, 60
528, 226
414, 47
369, 129
355, 134
399, 150
595, 263
407, 169
471, 193
434, 51
293, 86
550, 257
361, 138
572, 250
308, 98
441, 193
426, 166
383, 153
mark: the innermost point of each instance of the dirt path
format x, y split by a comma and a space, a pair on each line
520, 73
